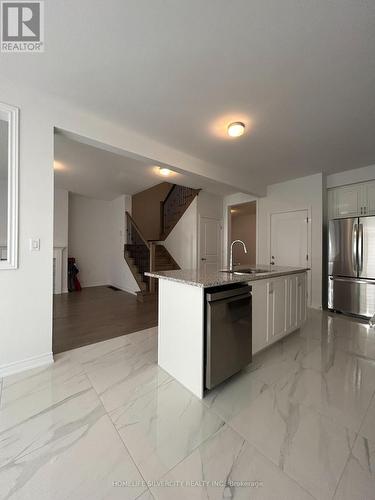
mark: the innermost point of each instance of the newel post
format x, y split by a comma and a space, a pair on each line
152, 266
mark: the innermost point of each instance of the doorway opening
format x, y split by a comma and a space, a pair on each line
242, 225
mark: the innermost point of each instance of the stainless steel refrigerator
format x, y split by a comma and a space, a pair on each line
351, 266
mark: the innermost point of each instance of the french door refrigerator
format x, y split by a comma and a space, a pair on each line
351, 266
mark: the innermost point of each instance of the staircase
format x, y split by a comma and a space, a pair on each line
174, 206
147, 256
164, 260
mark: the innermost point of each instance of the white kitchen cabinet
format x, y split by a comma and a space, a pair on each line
354, 200
331, 203
292, 317
347, 201
276, 308
279, 308
259, 323
301, 299
369, 198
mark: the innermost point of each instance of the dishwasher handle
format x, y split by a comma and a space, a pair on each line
227, 294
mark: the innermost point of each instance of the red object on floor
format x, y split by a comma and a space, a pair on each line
77, 285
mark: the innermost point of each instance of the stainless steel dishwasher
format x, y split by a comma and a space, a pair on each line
228, 332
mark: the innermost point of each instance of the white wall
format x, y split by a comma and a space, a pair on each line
60, 229
182, 242
351, 176
97, 234
120, 274
3, 210
26, 293
228, 201
90, 242
297, 194
244, 227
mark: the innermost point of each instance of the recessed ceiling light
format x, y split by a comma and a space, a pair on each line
236, 129
165, 171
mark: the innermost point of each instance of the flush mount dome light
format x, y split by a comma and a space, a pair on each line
164, 171
236, 129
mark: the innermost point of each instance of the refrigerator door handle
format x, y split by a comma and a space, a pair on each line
354, 247
352, 280
360, 247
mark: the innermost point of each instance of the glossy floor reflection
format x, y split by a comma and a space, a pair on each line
106, 422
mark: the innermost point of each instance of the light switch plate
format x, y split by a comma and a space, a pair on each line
35, 244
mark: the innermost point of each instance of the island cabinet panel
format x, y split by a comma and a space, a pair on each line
181, 333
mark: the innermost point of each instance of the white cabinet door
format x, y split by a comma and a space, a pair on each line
292, 303
332, 210
276, 308
369, 198
301, 299
259, 323
347, 201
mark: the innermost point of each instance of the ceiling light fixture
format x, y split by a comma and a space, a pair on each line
236, 129
164, 171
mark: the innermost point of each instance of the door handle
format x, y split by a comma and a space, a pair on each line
354, 246
360, 247
203, 258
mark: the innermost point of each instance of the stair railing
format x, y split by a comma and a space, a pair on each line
142, 251
178, 198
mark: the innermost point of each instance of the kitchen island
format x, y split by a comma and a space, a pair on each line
279, 306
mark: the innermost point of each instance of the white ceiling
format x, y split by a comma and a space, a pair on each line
91, 171
300, 73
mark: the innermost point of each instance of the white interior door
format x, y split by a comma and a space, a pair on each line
289, 239
210, 244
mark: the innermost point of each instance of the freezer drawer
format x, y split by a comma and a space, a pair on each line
352, 296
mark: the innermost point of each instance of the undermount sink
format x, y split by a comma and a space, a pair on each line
246, 271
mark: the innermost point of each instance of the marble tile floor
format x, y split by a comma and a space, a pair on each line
104, 421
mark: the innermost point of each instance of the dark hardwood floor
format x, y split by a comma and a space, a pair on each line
96, 314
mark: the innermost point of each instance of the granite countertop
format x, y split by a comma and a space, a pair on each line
199, 278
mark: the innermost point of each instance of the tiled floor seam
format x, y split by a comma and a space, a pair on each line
118, 434
343, 470
193, 451
273, 463
143, 393
358, 434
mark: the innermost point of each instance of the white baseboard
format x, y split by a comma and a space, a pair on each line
26, 364
93, 285
124, 289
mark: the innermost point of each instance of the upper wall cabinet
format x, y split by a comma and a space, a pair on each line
8, 186
369, 198
354, 200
